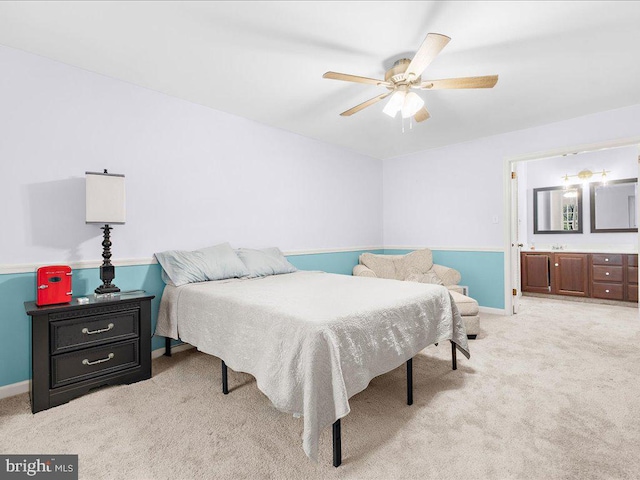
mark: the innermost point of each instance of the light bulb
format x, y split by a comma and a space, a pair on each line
395, 103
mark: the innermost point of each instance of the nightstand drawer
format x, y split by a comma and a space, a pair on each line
611, 291
606, 273
67, 335
604, 259
632, 275
92, 362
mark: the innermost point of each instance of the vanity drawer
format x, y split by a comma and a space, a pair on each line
93, 362
632, 275
67, 335
604, 259
606, 273
632, 293
611, 291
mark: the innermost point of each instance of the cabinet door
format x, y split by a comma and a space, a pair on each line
535, 272
571, 274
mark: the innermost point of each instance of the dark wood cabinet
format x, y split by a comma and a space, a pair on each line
76, 347
596, 275
608, 276
570, 274
632, 278
536, 272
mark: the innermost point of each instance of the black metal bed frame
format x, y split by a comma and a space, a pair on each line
337, 435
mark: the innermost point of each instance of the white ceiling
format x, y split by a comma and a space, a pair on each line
265, 60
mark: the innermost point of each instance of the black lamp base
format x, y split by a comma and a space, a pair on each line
107, 271
103, 289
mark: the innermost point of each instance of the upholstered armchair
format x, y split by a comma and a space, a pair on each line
418, 266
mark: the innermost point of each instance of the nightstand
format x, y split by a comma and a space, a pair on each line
76, 347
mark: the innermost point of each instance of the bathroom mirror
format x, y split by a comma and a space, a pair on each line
557, 209
613, 206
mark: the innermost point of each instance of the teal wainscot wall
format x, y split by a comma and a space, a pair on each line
482, 272
17, 288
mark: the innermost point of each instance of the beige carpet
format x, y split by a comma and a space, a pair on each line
553, 392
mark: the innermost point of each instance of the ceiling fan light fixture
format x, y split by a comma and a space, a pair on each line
406, 74
412, 103
395, 103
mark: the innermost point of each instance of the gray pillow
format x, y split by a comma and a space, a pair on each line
267, 261
211, 263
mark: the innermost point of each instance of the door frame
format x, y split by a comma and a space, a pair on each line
509, 166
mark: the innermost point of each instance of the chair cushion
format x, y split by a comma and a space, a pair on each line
466, 305
429, 277
382, 265
449, 276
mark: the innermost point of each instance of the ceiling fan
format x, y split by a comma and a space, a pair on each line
405, 75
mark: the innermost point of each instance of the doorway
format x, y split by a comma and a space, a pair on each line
513, 234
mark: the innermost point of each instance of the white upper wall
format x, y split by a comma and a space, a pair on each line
621, 162
194, 176
450, 196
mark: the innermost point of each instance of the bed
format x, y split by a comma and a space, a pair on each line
312, 340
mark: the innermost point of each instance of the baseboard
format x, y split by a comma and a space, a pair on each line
14, 389
494, 311
157, 353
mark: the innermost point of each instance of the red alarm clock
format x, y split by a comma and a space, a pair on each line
53, 285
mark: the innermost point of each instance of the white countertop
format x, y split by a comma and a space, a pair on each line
629, 249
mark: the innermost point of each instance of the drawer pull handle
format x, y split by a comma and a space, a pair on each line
102, 360
109, 327
606, 259
606, 291
606, 273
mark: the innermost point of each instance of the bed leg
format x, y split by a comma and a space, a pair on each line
337, 444
167, 346
410, 381
454, 362
225, 384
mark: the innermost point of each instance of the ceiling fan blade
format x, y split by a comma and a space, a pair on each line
354, 78
488, 81
366, 104
422, 115
429, 49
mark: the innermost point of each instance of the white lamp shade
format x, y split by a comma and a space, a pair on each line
105, 198
412, 103
395, 103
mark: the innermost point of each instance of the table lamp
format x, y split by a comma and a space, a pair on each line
105, 205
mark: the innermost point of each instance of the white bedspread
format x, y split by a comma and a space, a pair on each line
312, 340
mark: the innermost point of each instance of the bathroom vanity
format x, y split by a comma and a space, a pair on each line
611, 276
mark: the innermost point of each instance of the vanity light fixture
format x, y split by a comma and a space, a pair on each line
585, 175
